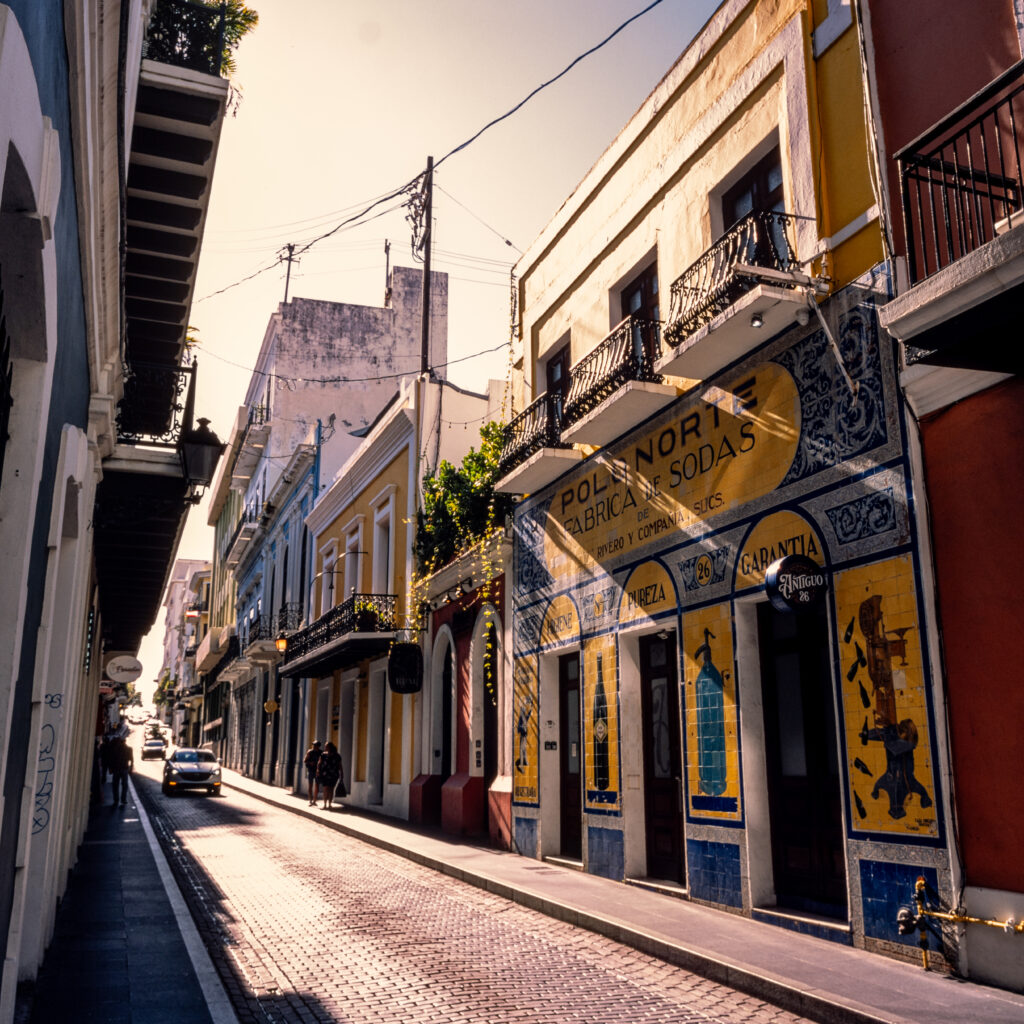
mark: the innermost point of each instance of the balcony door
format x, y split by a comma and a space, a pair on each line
558, 378
640, 299
760, 189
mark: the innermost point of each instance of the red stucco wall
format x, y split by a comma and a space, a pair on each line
974, 459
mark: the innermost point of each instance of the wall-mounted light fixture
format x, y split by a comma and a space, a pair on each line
281, 643
756, 320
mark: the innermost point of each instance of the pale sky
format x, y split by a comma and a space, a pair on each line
343, 101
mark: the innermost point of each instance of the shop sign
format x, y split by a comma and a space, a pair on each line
124, 669
795, 583
719, 449
405, 668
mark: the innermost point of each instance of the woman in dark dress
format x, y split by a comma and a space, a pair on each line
328, 772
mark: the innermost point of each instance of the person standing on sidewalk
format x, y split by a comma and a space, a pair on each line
311, 760
328, 773
121, 760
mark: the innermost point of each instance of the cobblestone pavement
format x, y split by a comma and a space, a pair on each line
305, 924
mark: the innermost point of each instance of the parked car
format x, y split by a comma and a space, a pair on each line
189, 768
153, 749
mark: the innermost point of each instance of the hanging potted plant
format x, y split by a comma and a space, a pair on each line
366, 615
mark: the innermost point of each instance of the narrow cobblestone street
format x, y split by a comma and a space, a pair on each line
305, 925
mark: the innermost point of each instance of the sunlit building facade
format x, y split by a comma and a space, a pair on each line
726, 682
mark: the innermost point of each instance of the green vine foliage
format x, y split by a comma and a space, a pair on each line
460, 506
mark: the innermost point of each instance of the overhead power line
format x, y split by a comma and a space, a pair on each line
353, 380
412, 186
544, 85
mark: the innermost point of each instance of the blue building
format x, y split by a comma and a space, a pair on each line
109, 129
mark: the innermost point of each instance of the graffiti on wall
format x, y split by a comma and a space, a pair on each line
885, 711
44, 775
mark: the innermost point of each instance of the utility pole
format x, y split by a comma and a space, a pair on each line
428, 187
288, 275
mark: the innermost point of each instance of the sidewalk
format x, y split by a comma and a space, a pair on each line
123, 945
810, 977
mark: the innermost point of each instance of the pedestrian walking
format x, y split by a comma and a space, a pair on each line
311, 760
328, 774
120, 760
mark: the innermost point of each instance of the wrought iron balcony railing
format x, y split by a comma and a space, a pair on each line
628, 353
360, 613
289, 617
187, 35
151, 410
538, 426
960, 182
250, 516
717, 279
254, 630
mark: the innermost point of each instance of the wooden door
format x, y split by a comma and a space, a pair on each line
570, 748
802, 762
663, 768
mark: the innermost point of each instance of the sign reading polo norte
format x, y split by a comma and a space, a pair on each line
724, 447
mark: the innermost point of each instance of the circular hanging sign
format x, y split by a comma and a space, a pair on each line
795, 583
270, 706
124, 669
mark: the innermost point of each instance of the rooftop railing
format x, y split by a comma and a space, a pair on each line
627, 354
538, 426
960, 181
187, 35
707, 288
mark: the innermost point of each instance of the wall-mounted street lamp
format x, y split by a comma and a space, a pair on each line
281, 643
199, 448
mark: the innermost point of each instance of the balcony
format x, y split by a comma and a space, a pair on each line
174, 130
963, 219
208, 653
615, 387
534, 454
187, 35
289, 617
360, 627
746, 288
253, 442
256, 640
244, 532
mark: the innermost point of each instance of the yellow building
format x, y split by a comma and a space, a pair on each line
723, 673
361, 532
